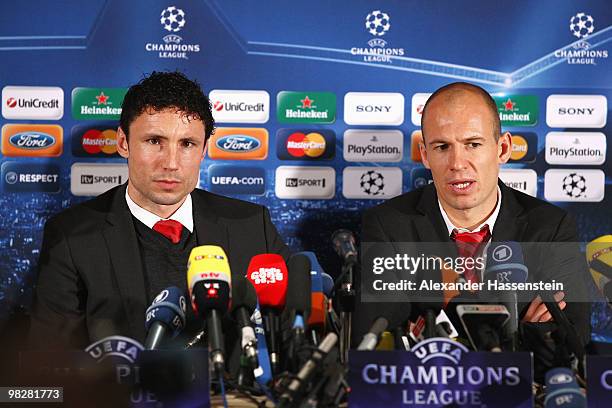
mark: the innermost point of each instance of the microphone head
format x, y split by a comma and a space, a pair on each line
562, 389
268, 274
315, 270
243, 294
208, 270
210, 294
505, 263
328, 284
299, 284
169, 308
344, 244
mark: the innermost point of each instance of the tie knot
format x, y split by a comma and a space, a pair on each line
170, 229
471, 237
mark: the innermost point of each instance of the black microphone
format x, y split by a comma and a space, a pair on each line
166, 315
571, 338
344, 244
299, 287
244, 302
370, 339
297, 385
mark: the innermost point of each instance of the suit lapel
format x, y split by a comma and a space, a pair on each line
430, 227
509, 225
124, 252
209, 230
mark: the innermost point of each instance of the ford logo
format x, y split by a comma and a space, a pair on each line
32, 140
238, 143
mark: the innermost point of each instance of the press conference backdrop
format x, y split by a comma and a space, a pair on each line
318, 105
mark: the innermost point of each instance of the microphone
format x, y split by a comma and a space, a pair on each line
599, 256
244, 302
569, 337
298, 302
209, 280
268, 274
165, 315
370, 339
295, 387
482, 324
328, 284
562, 390
344, 244
318, 302
505, 264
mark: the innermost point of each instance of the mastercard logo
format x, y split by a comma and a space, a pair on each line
519, 147
311, 145
100, 141
415, 140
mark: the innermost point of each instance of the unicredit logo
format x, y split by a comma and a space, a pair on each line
238, 107
32, 103
11, 102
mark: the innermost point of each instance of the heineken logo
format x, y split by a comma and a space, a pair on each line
97, 103
517, 110
302, 107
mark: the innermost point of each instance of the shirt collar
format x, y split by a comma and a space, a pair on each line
184, 214
489, 221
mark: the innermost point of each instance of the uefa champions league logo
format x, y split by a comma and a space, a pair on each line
582, 25
372, 183
377, 23
574, 185
172, 19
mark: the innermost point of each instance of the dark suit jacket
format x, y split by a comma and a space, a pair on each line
416, 217
91, 281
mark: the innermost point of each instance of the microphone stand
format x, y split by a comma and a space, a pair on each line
346, 305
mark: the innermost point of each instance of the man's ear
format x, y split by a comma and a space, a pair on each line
423, 151
122, 144
504, 147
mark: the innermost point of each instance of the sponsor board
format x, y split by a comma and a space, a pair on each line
30, 177
574, 185
576, 111
416, 138
299, 182
235, 106
306, 107
586, 148
373, 145
523, 180
524, 147
32, 102
374, 108
599, 381
248, 180
172, 20
238, 144
97, 103
418, 103
32, 140
91, 179
306, 144
517, 110
377, 24
94, 140
371, 182
420, 177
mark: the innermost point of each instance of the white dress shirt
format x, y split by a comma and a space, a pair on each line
184, 214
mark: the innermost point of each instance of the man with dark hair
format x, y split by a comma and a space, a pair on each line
467, 203
103, 262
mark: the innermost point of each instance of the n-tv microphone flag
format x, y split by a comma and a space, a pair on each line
209, 280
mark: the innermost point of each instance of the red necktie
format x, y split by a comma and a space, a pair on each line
170, 229
470, 245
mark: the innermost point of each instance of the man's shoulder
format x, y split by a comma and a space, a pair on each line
405, 204
536, 210
86, 214
225, 207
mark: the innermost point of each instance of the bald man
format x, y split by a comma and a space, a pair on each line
463, 146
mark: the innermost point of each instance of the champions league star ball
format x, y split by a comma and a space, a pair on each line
581, 25
574, 185
172, 19
377, 23
372, 183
